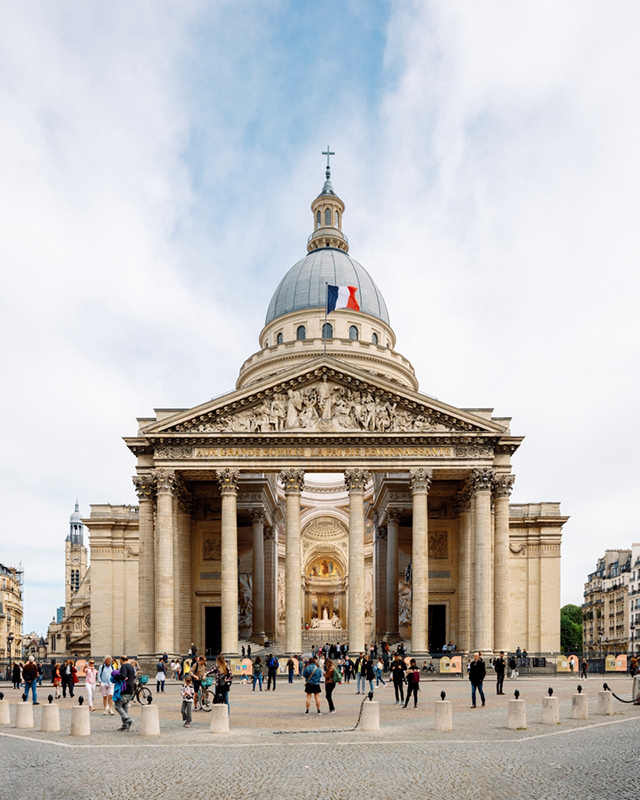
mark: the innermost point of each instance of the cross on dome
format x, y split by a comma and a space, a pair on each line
328, 152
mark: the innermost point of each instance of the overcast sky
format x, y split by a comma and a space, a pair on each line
157, 163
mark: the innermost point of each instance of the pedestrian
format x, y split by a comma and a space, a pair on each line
572, 665
369, 671
16, 675
223, 679
30, 678
187, 693
513, 667
69, 677
178, 670
257, 673
312, 675
331, 678
585, 669
90, 674
248, 651
379, 668
398, 668
39, 665
360, 673
272, 671
413, 683
161, 675
634, 665
198, 671
291, 667
500, 666
244, 652
477, 672
123, 680
106, 687
57, 680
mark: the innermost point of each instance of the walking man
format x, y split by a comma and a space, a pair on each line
398, 668
30, 677
477, 672
127, 678
500, 666
272, 671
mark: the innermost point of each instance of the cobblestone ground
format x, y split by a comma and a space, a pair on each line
319, 756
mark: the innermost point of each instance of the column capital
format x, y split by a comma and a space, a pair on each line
165, 481
228, 480
393, 515
420, 479
269, 533
481, 480
185, 498
381, 533
145, 486
356, 479
503, 484
257, 515
293, 480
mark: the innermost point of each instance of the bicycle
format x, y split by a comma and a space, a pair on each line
204, 698
141, 694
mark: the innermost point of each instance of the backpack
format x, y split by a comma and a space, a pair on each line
337, 677
416, 675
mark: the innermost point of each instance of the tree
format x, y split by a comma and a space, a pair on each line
571, 628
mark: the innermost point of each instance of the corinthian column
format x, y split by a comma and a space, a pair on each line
293, 480
257, 619
463, 502
420, 482
145, 486
185, 510
165, 482
502, 488
393, 632
356, 480
482, 481
228, 482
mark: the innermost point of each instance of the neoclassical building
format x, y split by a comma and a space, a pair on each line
325, 498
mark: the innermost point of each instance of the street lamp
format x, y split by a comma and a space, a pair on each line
10, 638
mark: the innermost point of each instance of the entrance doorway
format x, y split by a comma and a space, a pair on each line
212, 630
437, 628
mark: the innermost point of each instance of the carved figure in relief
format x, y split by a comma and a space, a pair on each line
281, 596
314, 622
211, 549
245, 601
278, 412
294, 406
404, 602
325, 394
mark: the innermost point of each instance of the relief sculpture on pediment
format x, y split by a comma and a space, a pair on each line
321, 407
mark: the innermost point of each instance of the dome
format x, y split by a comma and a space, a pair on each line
76, 517
304, 286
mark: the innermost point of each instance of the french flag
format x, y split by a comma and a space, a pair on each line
342, 297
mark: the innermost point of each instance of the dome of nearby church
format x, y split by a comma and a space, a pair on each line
305, 285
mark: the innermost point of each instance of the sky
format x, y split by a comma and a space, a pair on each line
157, 163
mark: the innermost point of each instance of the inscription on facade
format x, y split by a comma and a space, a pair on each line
323, 452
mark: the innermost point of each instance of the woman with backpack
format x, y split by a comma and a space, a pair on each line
257, 673
312, 675
413, 683
331, 677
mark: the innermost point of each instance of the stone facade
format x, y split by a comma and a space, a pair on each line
414, 536
605, 611
10, 612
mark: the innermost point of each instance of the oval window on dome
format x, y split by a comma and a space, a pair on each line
374, 338
327, 216
327, 331
301, 333
353, 332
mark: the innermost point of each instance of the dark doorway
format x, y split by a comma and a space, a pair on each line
437, 628
212, 630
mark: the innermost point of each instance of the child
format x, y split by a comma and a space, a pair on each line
187, 700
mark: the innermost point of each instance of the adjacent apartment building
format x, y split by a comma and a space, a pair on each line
10, 612
605, 611
634, 600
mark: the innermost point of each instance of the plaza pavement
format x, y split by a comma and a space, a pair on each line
319, 756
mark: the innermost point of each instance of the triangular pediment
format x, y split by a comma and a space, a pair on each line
324, 396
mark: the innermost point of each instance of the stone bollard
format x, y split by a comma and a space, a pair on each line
24, 715
442, 718
579, 706
370, 720
635, 691
50, 719
150, 723
550, 711
80, 721
517, 715
605, 703
219, 718
5, 712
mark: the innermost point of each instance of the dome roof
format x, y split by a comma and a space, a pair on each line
304, 286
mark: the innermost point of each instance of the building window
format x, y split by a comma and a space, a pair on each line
337, 219
318, 219
301, 333
374, 338
327, 216
327, 331
279, 338
353, 332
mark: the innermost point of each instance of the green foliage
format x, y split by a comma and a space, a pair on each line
571, 628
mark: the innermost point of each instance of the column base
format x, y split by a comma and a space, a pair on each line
258, 638
419, 653
392, 637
